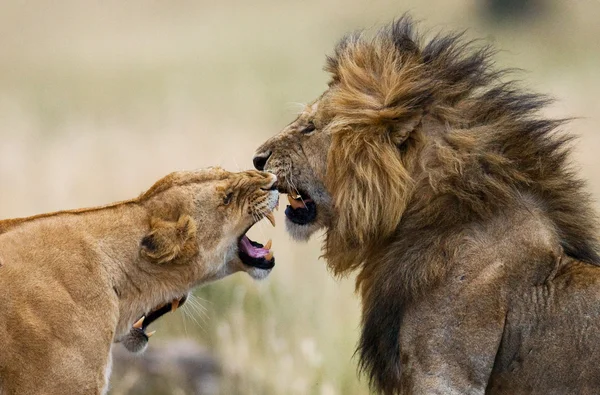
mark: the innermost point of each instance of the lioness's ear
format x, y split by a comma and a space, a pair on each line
170, 241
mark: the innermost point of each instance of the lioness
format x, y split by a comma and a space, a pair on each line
74, 282
453, 197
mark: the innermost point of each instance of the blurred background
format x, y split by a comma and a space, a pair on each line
98, 99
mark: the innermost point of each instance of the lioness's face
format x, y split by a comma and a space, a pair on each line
298, 156
225, 210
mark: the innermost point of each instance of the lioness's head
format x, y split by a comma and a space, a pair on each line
202, 217
197, 225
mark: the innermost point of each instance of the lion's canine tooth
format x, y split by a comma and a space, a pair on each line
295, 203
139, 323
271, 218
149, 334
268, 245
174, 304
269, 256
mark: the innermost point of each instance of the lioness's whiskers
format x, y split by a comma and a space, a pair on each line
191, 315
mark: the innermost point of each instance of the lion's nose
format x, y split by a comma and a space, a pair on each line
260, 160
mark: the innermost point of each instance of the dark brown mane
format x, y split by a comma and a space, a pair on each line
495, 150
454, 81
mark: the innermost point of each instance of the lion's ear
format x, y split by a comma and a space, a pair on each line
400, 131
368, 180
170, 241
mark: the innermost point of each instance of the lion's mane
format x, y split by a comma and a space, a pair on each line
494, 148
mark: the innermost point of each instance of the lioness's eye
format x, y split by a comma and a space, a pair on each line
227, 199
309, 128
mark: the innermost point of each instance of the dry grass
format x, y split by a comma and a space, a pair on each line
99, 99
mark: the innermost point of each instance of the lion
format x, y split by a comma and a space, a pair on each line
74, 282
453, 198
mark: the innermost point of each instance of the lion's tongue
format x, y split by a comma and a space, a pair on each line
255, 252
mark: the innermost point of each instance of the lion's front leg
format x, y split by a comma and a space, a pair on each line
449, 341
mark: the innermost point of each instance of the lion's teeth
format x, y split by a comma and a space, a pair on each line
149, 334
269, 256
139, 323
271, 218
295, 203
268, 245
174, 304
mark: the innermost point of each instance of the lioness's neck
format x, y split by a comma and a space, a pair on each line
103, 244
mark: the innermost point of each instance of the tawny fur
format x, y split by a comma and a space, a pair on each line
74, 282
454, 199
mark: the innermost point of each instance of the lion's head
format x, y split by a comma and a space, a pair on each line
349, 162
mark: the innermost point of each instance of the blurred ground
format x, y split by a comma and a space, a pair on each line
98, 99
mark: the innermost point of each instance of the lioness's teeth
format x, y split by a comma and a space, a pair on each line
174, 304
149, 334
271, 218
269, 256
268, 245
139, 323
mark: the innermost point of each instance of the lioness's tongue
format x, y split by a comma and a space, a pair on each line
255, 252
296, 204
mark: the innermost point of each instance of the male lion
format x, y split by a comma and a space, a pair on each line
453, 198
73, 282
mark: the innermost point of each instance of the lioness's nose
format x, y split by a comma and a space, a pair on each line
260, 160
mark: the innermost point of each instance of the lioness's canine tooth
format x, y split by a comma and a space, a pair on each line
149, 334
271, 218
269, 256
138, 324
174, 304
268, 245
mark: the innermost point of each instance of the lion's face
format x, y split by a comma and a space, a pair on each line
298, 156
348, 161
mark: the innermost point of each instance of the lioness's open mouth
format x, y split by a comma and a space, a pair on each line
302, 209
254, 254
137, 338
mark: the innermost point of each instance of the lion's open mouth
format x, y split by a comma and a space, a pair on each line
302, 209
254, 254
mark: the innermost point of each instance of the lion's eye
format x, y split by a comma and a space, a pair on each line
309, 128
227, 198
